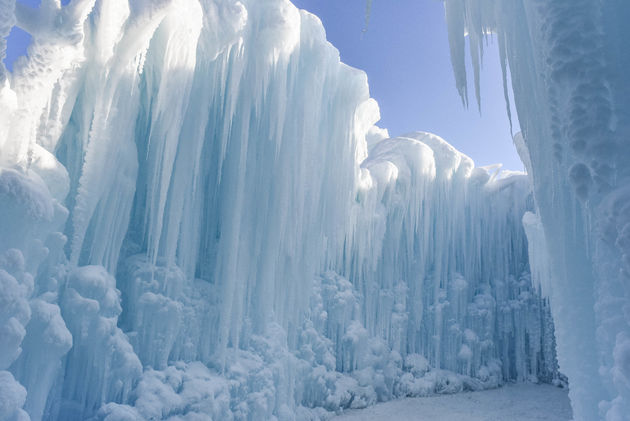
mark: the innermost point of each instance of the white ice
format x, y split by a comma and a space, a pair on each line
199, 219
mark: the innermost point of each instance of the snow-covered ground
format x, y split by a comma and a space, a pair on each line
520, 402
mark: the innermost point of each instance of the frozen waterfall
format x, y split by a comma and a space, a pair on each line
199, 219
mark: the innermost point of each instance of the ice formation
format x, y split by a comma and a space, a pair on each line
200, 220
568, 64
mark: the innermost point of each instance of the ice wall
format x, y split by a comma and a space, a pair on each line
200, 220
569, 81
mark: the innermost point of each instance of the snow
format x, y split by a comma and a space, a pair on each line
7, 19
522, 402
12, 397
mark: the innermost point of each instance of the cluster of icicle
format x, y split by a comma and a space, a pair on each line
199, 220
568, 66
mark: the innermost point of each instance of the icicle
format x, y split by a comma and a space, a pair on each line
476, 32
475, 48
504, 70
368, 11
455, 19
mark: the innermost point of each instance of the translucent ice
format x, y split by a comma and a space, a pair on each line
200, 220
569, 78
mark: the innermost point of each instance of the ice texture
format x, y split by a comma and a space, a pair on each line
199, 220
569, 78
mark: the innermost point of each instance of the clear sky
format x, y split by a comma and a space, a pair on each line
406, 57
18, 40
405, 54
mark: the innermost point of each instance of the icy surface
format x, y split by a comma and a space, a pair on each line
523, 402
199, 220
569, 77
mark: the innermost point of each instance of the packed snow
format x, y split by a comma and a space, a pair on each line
199, 219
514, 402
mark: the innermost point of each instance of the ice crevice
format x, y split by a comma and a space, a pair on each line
200, 220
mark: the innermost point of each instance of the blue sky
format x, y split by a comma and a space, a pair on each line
405, 54
18, 39
406, 57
